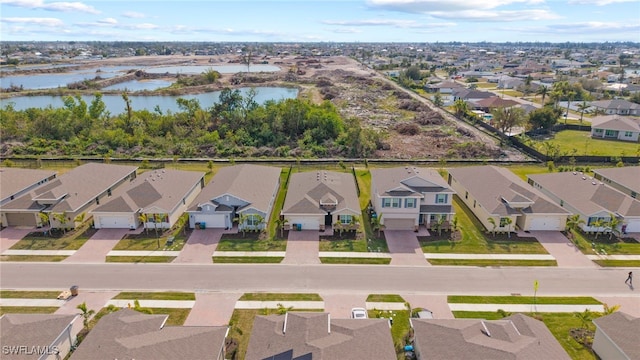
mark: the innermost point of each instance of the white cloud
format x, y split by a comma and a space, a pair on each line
497, 16
53, 6
427, 6
134, 15
50, 22
108, 21
598, 2
387, 22
346, 31
144, 26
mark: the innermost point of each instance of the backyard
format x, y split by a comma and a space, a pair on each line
583, 144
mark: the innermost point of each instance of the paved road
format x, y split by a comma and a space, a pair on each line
240, 278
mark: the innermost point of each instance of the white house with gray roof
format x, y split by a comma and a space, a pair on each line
245, 191
53, 335
156, 198
615, 127
616, 337
624, 179
15, 182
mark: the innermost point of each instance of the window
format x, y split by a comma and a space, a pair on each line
386, 202
628, 133
410, 203
634, 194
598, 131
396, 202
503, 222
109, 192
610, 133
253, 220
442, 198
474, 203
97, 201
466, 194
345, 219
562, 203
592, 220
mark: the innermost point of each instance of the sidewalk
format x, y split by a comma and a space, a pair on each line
40, 252
525, 307
489, 256
142, 253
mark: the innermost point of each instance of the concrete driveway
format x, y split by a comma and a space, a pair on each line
212, 309
437, 304
404, 248
339, 305
11, 235
565, 252
200, 246
98, 246
302, 247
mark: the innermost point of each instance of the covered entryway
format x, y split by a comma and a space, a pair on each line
211, 220
21, 219
545, 223
399, 224
113, 222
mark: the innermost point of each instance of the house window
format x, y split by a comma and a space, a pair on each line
386, 202
109, 192
610, 133
345, 219
97, 201
253, 220
503, 222
466, 194
594, 219
396, 202
442, 198
634, 194
597, 131
474, 203
628, 133
410, 203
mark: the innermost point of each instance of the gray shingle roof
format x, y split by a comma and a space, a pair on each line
622, 329
31, 330
628, 176
615, 122
15, 180
388, 180
308, 188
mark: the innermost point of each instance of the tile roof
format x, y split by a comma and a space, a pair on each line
31, 330
514, 337
300, 335
388, 181
128, 334
626, 176
622, 329
308, 188
15, 180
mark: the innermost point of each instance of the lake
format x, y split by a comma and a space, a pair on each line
115, 104
54, 80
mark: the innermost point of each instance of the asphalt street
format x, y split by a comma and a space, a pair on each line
317, 278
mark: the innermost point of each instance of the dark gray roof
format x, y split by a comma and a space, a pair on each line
623, 330
405, 181
308, 188
15, 180
626, 176
616, 122
128, 334
438, 209
31, 330
317, 336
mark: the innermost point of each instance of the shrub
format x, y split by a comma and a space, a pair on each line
408, 129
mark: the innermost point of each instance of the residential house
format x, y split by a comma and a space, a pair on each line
616, 337
38, 336
15, 182
313, 335
317, 199
129, 334
74, 193
616, 107
241, 191
514, 337
615, 127
444, 87
491, 103
407, 197
624, 179
155, 198
492, 192
510, 83
471, 95
593, 200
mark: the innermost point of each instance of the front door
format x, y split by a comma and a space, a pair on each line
328, 220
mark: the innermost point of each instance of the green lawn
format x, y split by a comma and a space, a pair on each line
554, 300
582, 142
19, 294
275, 233
479, 262
523, 170
72, 240
176, 316
148, 241
129, 295
280, 297
235, 242
385, 298
349, 260
27, 310
586, 243
474, 240
140, 259
399, 328
37, 258
348, 244
376, 241
248, 259
618, 263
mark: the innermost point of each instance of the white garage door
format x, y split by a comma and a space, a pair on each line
114, 222
307, 223
545, 223
210, 221
633, 226
399, 224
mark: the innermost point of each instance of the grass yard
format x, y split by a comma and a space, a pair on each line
148, 241
589, 244
618, 263
35, 258
376, 241
523, 170
474, 240
137, 295
274, 232
19, 294
385, 298
568, 140
27, 310
140, 259
177, 317
280, 297
57, 240
400, 327
248, 259
250, 242
541, 300
484, 263
357, 261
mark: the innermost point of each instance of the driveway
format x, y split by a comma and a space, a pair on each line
339, 305
212, 309
200, 246
11, 235
98, 246
565, 252
95, 300
404, 248
437, 304
303, 247
630, 305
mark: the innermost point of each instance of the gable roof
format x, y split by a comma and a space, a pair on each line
491, 186
392, 181
300, 335
74, 189
615, 122
15, 180
161, 189
617, 104
466, 94
587, 195
447, 84
31, 330
128, 334
255, 184
308, 188
622, 329
495, 102
625, 176
514, 337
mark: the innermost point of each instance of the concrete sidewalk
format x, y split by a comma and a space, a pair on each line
142, 253
39, 252
489, 256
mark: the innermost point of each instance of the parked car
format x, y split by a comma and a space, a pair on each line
359, 313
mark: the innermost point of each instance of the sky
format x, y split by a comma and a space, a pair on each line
322, 20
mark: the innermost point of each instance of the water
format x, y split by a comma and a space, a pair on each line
137, 85
48, 81
115, 104
223, 69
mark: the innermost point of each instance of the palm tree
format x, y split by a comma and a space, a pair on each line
438, 224
599, 224
573, 222
583, 108
138, 308
376, 223
144, 218
569, 94
608, 310
613, 225
86, 313
79, 218
283, 310
258, 220
280, 223
461, 107
355, 222
454, 226
156, 219
241, 219
492, 221
585, 318
508, 222
44, 218
544, 91
62, 219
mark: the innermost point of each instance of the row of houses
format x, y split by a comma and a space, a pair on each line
128, 334
402, 198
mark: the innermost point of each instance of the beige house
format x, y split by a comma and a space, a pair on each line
74, 193
615, 127
318, 199
624, 179
407, 197
617, 337
15, 182
44, 336
497, 193
159, 196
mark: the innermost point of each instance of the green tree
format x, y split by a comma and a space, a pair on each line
437, 100
281, 309
413, 73
613, 224
508, 118
460, 107
280, 223
62, 219
508, 222
573, 223
543, 91
376, 223
144, 218
494, 225
85, 313
79, 219
138, 308
44, 218
543, 118
599, 225
583, 107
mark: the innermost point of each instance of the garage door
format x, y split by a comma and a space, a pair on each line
210, 221
545, 223
399, 224
21, 219
307, 223
114, 222
633, 226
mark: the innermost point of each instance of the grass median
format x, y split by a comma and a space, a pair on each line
140, 259
34, 258
618, 263
355, 261
484, 263
280, 297
27, 310
247, 259
540, 300
385, 298
19, 294
167, 295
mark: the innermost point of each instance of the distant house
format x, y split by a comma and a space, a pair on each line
407, 197
591, 199
235, 190
494, 102
312, 335
52, 335
317, 199
616, 107
497, 193
617, 337
444, 87
129, 334
615, 127
157, 197
514, 337
15, 182
471, 95
510, 83
624, 179
78, 191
